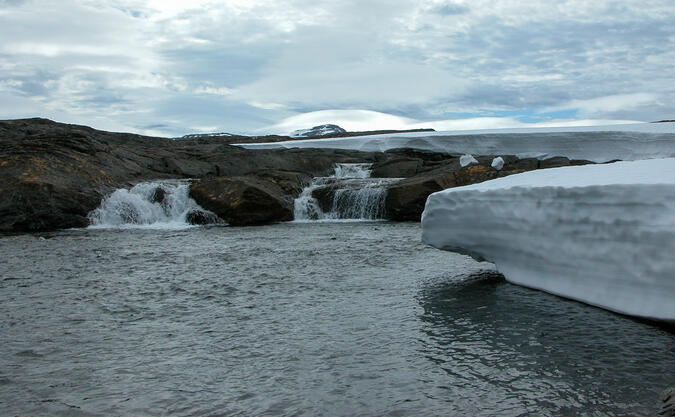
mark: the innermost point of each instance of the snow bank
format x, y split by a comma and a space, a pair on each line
601, 234
596, 143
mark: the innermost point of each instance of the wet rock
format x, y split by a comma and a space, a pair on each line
158, 195
251, 199
200, 217
325, 195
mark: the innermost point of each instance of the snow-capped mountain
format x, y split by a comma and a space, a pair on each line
317, 131
206, 135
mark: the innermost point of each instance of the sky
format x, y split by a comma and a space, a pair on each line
168, 68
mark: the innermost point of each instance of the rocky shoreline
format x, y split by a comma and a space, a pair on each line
53, 174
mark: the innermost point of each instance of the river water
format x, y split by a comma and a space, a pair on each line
302, 319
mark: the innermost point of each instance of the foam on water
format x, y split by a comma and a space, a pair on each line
162, 204
356, 196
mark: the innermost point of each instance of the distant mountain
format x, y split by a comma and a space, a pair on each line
318, 131
206, 135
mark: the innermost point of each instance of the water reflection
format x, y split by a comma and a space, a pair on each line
531, 352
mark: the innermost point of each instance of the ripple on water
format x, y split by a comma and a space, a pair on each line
303, 319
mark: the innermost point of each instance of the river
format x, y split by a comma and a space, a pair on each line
341, 318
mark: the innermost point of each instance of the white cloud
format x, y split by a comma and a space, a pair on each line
364, 120
218, 91
607, 104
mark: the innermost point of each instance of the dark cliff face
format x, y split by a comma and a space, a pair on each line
53, 174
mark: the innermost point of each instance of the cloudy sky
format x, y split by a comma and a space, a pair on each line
168, 67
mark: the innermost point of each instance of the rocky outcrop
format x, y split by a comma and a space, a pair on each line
406, 199
252, 199
53, 174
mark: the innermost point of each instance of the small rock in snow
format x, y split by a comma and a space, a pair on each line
467, 159
498, 163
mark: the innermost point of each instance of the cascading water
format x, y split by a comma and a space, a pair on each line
156, 204
353, 195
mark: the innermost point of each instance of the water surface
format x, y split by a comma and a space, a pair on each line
302, 319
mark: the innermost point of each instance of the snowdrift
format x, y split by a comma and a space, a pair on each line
595, 143
600, 234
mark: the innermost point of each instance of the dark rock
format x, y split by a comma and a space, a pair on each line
38, 206
158, 195
577, 162
201, 217
251, 199
424, 155
290, 182
396, 168
473, 174
555, 162
324, 197
521, 165
405, 199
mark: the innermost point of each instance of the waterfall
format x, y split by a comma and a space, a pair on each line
352, 194
162, 204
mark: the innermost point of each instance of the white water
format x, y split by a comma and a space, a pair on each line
357, 197
138, 207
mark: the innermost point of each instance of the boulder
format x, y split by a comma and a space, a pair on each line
37, 206
201, 217
252, 199
405, 199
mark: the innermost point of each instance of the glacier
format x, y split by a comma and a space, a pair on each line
595, 143
599, 234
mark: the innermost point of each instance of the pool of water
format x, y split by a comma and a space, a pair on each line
302, 319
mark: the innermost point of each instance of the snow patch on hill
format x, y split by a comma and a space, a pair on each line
595, 143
